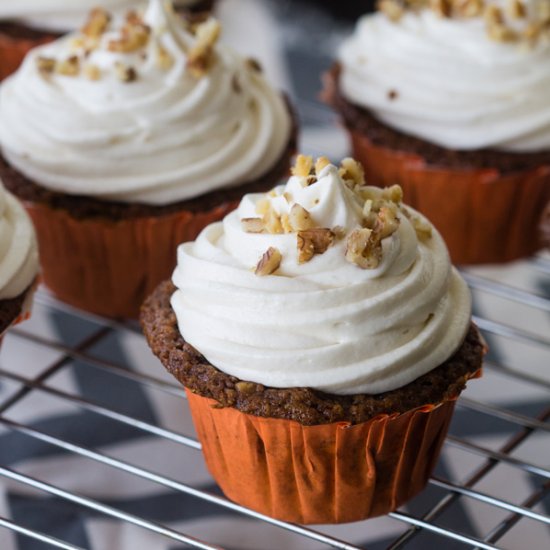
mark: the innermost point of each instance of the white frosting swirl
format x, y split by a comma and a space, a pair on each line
325, 324
18, 247
64, 15
165, 137
453, 85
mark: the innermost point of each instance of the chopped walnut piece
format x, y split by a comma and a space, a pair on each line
285, 223
313, 241
300, 218
493, 15
470, 8
351, 170
502, 33
92, 72
69, 66
443, 8
252, 225
262, 207
393, 9
269, 263
422, 227
303, 166
516, 9
254, 65
393, 193
320, 164
97, 23
134, 36
542, 9
272, 222
363, 250
45, 64
164, 59
201, 55
388, 222
125, 73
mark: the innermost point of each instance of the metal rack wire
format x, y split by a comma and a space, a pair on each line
521, 428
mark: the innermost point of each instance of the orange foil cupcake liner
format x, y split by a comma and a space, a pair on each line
483, 215
109, 267
328, 473
13, 50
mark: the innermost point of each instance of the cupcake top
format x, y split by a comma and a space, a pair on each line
463, 74
323, 283
145, 108
18, 248
64, 15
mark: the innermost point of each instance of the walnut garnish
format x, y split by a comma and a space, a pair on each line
543, 12
363, 250
300, 218
313, 241
254, 65
443, 8
164, 59
516, 9
470, 8
387, 223
69, 66
134, 36
252, 225
393, 9
125, 73
92, 72
97, 23
422, 227
320, 164
272, 222
269, 263
201, 55
393, 193
303, 166
45, 64
351, 170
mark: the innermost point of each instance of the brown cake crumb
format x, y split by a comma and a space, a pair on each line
304, 405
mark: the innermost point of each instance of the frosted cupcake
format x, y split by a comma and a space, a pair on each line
18, 261
323, 337
128, 138
451, 103
26, 24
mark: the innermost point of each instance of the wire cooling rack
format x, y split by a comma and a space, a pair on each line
81, 340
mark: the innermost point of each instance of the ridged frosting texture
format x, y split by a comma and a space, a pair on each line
64, 15
445, 81
166, 136
18, 248
327, 323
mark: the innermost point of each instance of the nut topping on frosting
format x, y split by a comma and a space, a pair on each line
134, 35
269, 263
501, 24
97, 23
201, 55
377, 215
313, 241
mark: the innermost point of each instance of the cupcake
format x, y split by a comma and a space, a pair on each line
544, 227
18, 261
323, 337
26, 25
129, 138
449, 100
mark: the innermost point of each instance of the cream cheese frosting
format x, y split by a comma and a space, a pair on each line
444, 80
64, 15
325, 323
18, 247
163, 136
